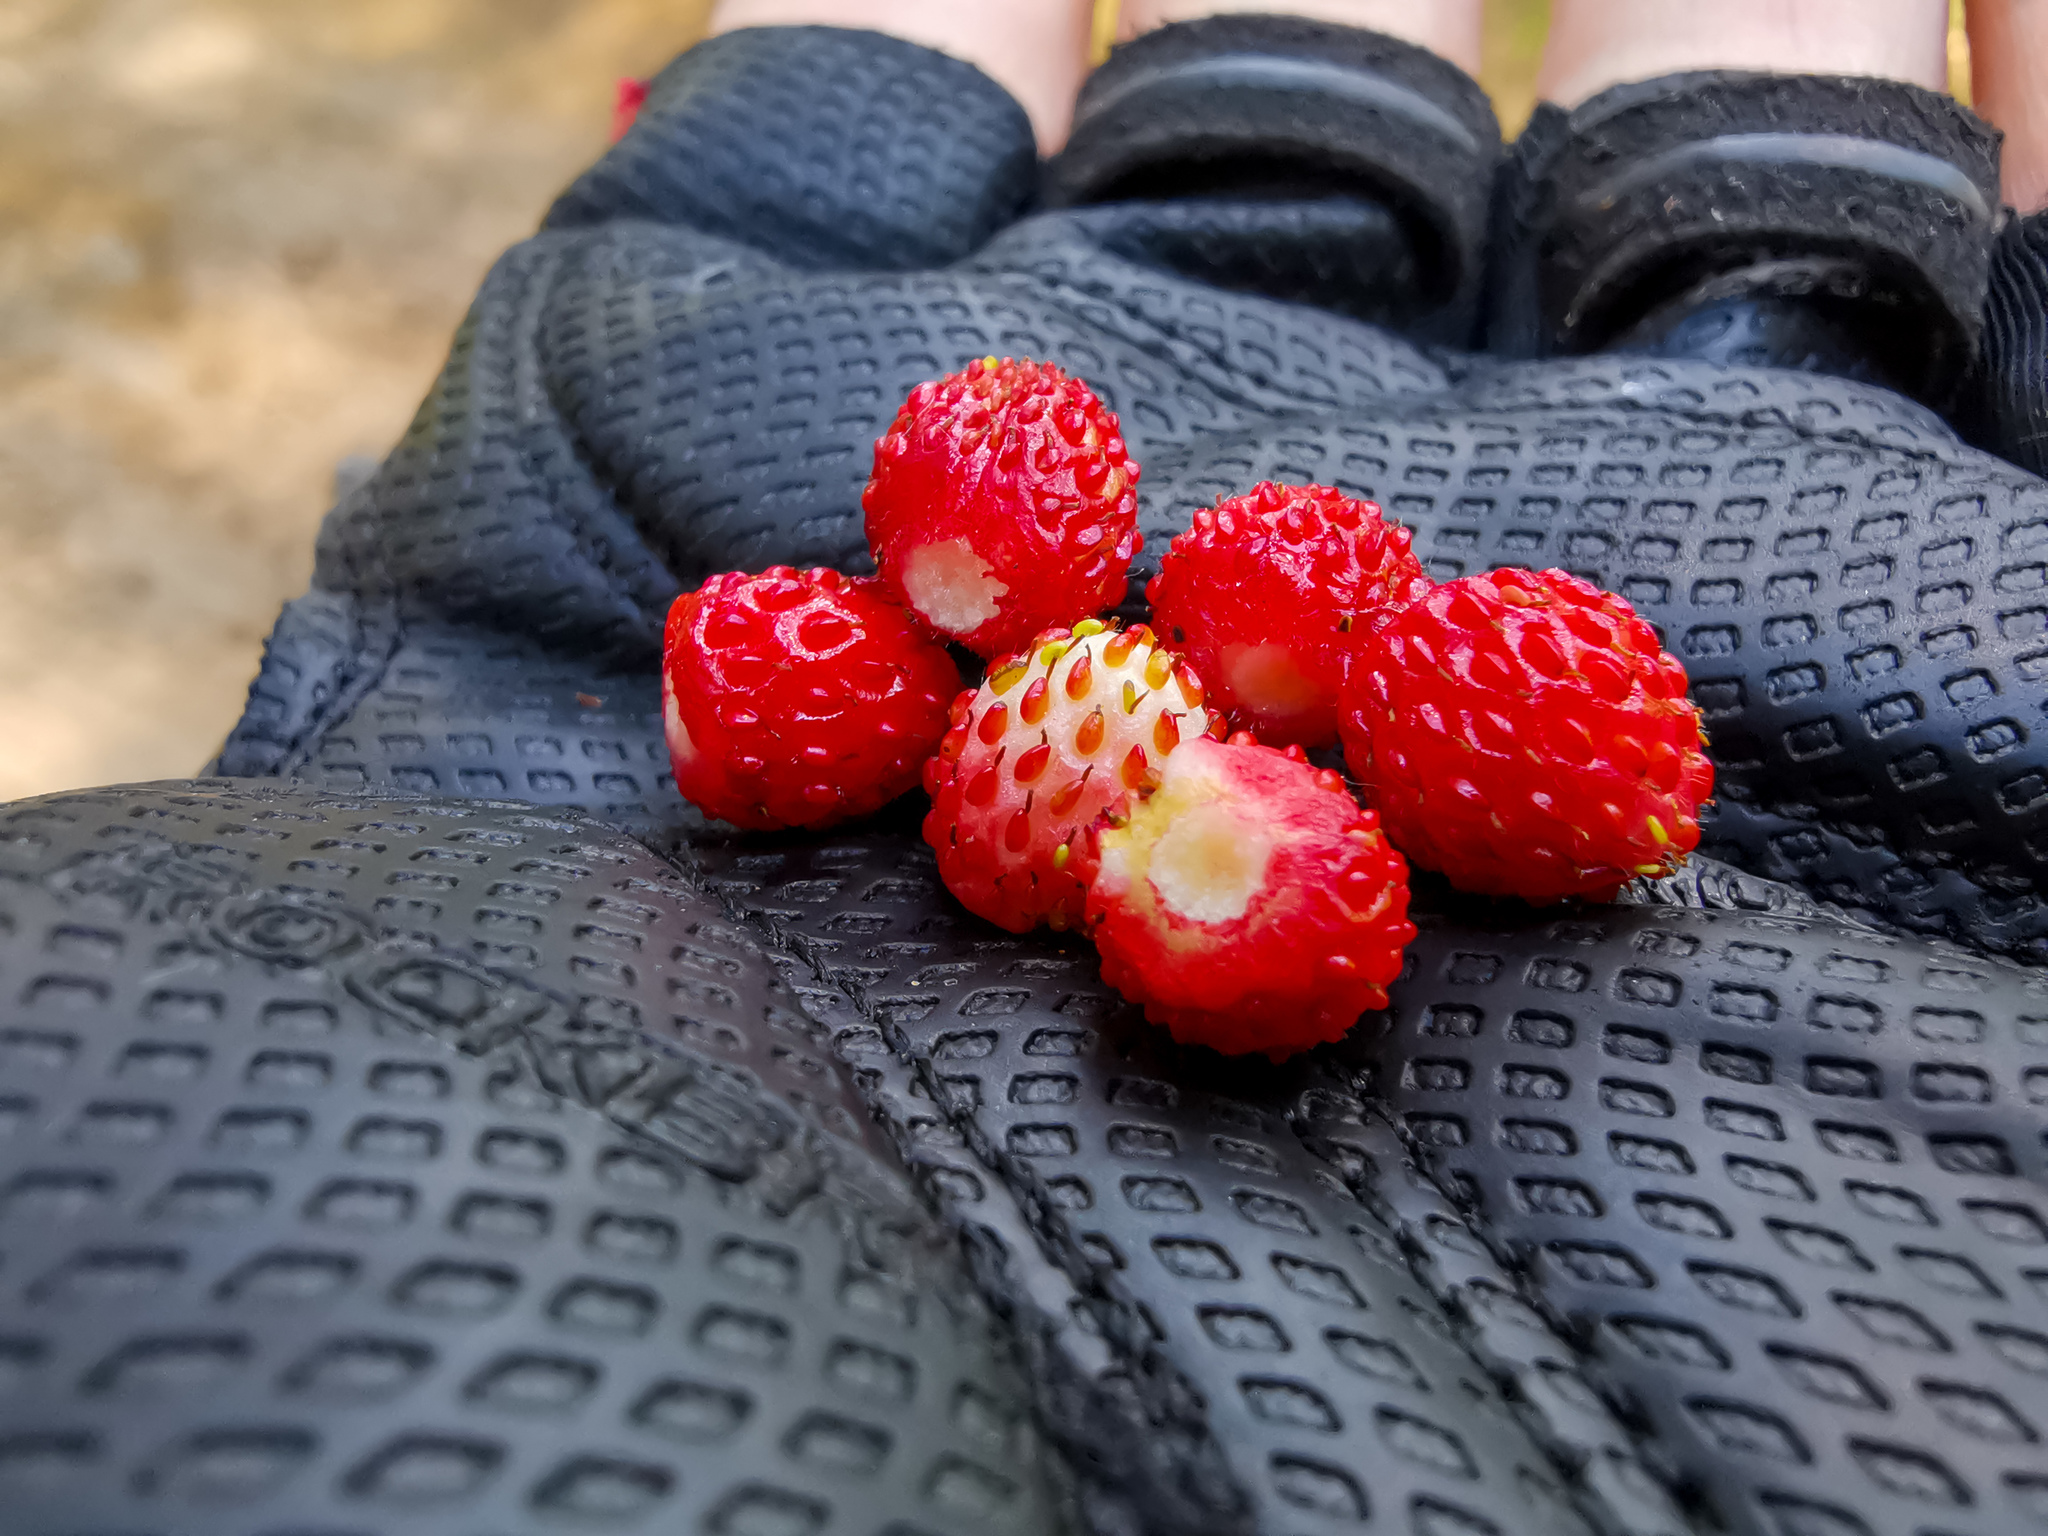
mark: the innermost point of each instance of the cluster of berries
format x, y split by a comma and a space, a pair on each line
1521, 732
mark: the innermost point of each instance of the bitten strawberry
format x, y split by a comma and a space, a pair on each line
798, 698
1037, 751
1268, 594
1524, 733
1002, 503
1247, 902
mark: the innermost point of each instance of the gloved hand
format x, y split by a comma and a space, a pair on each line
1720, 1198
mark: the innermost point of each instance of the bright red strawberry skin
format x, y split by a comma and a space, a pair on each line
1034, 754
1525, 734
1268, 594
1248, 903
1003, 503
798, 698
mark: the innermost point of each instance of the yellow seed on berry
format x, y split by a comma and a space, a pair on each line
1053, 650
1088, 627
1657, 831
1031, 708
1061, 854
1130, 697
1080, 677
1007, 677
1158, 668
1089, 737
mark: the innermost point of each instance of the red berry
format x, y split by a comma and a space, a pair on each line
1036, 752
1247, 902
626, 104
798, 698
1269, 593
1002, 504
1524, 733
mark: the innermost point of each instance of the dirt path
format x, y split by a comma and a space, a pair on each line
234, 238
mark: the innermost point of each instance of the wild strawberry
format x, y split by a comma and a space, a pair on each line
1002, 503
1268, 593
1248, 902
1034, 755
1524, 733
798, 698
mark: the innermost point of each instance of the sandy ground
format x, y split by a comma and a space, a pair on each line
235, 236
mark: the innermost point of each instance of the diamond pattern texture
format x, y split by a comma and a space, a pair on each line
1743, 1204
1857, 595
431, 1165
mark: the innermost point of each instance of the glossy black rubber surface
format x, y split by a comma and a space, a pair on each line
1242, 1233
404, 1161
435, 1166
1770, 1183
1781, 1182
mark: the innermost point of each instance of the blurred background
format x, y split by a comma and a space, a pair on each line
235, 236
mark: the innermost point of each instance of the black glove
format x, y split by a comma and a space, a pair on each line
2007, 409
543, 1194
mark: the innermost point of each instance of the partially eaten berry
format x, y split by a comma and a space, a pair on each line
1268, 593
1034, 754
1247, 902
1002, 503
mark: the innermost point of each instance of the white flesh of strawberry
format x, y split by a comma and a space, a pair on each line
1191, 845
952, 586
1265, 679
1209, 863
680, 746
